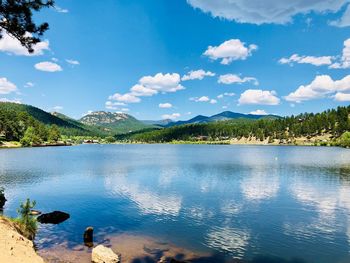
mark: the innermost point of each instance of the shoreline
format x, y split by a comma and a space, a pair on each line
183, 143
14, 247
320, 140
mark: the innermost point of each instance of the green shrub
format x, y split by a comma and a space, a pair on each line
27, 222
344, 140
110, 139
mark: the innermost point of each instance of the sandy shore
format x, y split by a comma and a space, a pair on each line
132, 248
10, 145
14, 248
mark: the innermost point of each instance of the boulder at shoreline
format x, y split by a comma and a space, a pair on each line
102, 254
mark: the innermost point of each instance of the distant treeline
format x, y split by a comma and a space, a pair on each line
334, 122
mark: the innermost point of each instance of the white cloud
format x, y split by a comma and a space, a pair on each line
228, 94
204, 99
321, 86
48, 66
229, 51
72, 62
149, 86
57, 108
316, 61
160, 82
165, 105
171, 116
142, 91
114, 105
259, 112
7, 86
127, 98
61, 10
200, 99
197, 74
18, 101
54, 59
344, 20
340, 96
11, 45
257, 96
29, 84
233, 78
270, 11
345, 59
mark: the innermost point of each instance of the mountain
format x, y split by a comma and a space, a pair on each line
38, 114
114, 122
223, 116
161, 123
69, 119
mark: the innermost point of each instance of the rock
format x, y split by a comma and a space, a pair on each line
173, 260
55, 217
89, 236
102, 254
2, 199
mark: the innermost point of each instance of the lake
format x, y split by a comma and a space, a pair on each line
226, 203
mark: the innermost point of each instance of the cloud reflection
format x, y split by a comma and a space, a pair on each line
148, 201
231, 240
259, 185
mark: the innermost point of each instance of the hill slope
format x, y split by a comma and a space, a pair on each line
223, 116
114, 122
38, 114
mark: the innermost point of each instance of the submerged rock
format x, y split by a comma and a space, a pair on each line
102, 254
88, 236
55, 217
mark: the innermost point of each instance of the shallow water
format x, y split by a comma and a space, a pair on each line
255, 203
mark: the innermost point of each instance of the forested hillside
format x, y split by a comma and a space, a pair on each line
334, 122
16, 119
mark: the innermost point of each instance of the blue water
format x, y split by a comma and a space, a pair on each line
289, 204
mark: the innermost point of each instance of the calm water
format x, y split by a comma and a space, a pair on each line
243, 202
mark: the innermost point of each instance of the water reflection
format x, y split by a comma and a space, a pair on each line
232, 201
148, 201
231, 240
260, 184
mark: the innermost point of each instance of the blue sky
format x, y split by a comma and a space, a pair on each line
137, 56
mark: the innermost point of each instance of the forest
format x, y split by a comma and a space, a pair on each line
334, 122
32, 126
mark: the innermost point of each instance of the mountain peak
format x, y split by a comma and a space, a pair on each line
104, 117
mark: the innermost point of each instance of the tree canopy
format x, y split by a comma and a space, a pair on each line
16, 18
